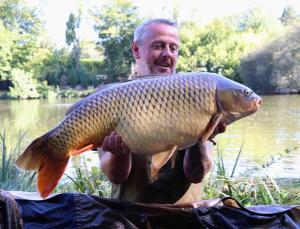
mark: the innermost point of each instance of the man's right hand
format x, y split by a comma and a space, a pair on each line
115, 158
114, 144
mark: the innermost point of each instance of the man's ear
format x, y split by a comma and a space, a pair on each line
135, 50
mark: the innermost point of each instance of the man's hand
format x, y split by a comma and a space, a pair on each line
198, 158
115, 158
114, 144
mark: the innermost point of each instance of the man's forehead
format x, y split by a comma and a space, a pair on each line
162, 32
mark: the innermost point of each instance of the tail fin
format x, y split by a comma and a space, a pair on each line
38, 157
50, 173
34, 155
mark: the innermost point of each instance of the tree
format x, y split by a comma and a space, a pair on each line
254, 20
275, 66
115, 24
289, 16
89, 50
72, 38
20, 26
6, 44
215, 48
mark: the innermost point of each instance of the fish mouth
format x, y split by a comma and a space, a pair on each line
250, 109
254, 106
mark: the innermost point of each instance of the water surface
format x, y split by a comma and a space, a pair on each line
266, 134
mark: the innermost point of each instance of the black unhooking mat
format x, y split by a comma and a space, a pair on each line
74, 210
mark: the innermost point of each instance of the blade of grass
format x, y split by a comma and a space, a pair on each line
237, 159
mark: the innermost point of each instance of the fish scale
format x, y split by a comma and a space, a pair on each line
153, 115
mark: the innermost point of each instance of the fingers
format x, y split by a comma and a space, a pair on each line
117, 144
114, 144
222, 127
125, 148
105, 144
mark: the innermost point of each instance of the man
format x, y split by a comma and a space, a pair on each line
155, 49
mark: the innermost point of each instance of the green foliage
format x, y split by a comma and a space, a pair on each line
115, 24
19, 29
289, 16
254, 20
72, 93
230, 46
87, 180
93, 66
10, 177
58, 69
72, 24
214, 48
6, 44
89, 50
252, 187
17, 16
54, 68
275, 66
24, 86
72, 38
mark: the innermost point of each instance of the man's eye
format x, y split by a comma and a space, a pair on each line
157, 46
174, 48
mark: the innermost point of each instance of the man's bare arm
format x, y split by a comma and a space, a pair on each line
115, 158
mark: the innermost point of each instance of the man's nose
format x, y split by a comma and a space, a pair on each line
166, 51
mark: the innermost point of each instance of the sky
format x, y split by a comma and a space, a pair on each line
56, 12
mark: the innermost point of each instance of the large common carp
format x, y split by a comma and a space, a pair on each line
155, 114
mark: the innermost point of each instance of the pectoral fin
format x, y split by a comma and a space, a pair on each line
211, 126
83, 149
159, 159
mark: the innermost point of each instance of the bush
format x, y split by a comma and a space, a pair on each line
24, 86
93, 66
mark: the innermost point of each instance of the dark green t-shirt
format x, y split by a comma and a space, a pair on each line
168, 186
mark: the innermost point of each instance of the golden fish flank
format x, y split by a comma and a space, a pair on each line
153, 115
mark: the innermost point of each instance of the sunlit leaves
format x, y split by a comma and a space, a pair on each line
115, 24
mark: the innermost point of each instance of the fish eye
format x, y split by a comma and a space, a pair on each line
248, 92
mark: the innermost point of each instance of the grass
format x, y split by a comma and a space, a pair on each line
10, 177
252, 187
86, 180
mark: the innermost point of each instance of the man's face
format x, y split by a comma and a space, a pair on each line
158, 52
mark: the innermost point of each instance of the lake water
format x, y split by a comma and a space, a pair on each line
266, 134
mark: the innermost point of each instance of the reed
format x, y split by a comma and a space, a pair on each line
10, 177
251, 187
85, 179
